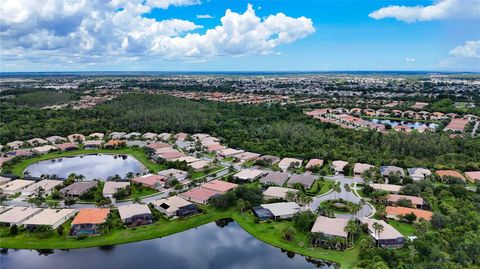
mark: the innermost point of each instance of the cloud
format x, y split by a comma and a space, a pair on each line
439, 10
471, 49
409, 59
204, 16
102, 31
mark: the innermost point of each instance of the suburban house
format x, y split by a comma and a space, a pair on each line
219, 186
20, 153
175, 206
117, 135
417, 202
5, 208
56, 139
66, 146
18, 214
74, 138
159, 145
314, 163
46, 185
261, 213
88, 221
274, 192
15, 186
15, 144
150, 136
418, 173
96, 136
50, 217
187, 159
386, 187
396, 212
181, 136
269, 159
330, 227
44, 149
150, 181
229, 152
275, 178
112, 187
450, 173
282, 210
386, 171
135, 215
338, 166
246, 156
473, 175
387, 237
92, 144
305, 179
170, 155
199, 165
360, 168
198, 195
164, 136
215, 148
114, 143
132, 135
287, 163
37, 142
179, 175
456, 125
77, 189
249, 174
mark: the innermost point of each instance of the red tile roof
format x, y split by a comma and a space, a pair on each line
452, 173
91, 216
398, 210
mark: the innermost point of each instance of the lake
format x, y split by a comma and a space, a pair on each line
92, 166
218, 245
411, 124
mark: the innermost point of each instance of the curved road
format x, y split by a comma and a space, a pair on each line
366, 210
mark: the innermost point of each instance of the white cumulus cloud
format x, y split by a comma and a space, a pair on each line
471, 49
438, 10
99, 30
204, 16
410, 59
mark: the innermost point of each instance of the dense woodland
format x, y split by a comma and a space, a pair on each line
282, 131
450, 240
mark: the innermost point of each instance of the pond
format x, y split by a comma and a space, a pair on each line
92, 166
219, 245
411, 124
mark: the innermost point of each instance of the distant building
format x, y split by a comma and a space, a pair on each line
277, 192
50, 217
77, 189
275, 178
88, 221
331, 227
388, 237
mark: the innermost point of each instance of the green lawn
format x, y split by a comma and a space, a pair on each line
139, 154
404, 228
267, 232
196, 175
320, 187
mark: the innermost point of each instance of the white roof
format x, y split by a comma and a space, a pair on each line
388, 231
330, 226
286, 162
174, 172
188, 159
15, 144
128, 211
173, 202
278, 192
199, 164
50, 216
339, 165
249, 174
46, 184
16, 185
45, 148
386, 187
230, 151
111, 187
4, 180
359, 168
18, 214
282, 209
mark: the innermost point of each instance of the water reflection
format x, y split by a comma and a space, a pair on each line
94, 166
208, 246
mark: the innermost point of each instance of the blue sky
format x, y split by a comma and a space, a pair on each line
335, 35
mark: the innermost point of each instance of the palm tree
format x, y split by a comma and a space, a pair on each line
347, 188
337, 189
242, 205
351, 229
137, 200
354, 209
288, 233
290, 196
378, 230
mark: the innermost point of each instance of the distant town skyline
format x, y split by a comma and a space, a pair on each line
215, 35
